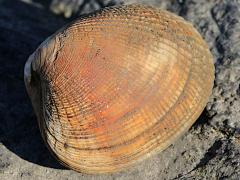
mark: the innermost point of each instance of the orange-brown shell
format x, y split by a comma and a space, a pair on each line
115, 87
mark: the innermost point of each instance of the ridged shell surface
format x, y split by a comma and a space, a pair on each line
119, 85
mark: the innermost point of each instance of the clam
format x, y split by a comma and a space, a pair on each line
117, 86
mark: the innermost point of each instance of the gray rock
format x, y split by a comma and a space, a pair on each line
221, 161
225, 102
211, 148
70, 7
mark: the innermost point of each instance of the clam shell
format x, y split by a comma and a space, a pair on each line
117, 86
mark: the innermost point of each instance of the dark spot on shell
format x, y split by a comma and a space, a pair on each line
65, 145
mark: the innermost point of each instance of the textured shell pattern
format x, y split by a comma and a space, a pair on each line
117, 86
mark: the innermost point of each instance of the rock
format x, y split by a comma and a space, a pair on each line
224, 106
220, 162
72, 7
211, 148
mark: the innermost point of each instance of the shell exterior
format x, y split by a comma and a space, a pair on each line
119, 85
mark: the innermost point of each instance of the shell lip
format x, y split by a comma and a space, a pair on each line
28, 71
27, 68
45, 53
